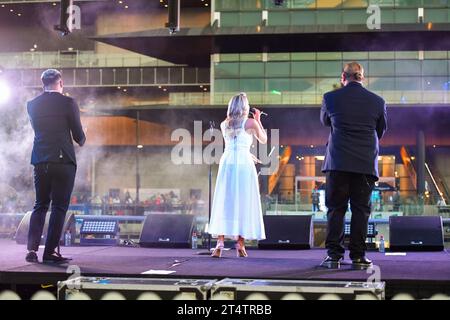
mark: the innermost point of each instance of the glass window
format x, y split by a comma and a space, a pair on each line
382, 3
355, 56
329, 68
354, 16
303, 84
251, 4
434, 67
303, 18
406, 16
329, 17
355, 4
229, 57
279, 56
303, 56
436, 15
407, 68
226, 85
329, 55
406, 55
435, 83
249, 19
279, 18
278, 69
408, 3
302, 4
435, 55
408, 84
303, 69
229, 19
227, 5
227, 70
270, 4
436, 3
381, 55
252, 69
323, 4
387, 16
381, 68
381, 84
327, 84
250, 57
251, 85
279, 84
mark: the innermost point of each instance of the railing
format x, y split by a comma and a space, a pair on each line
306, 98
440, 194
227, 6
77, 59
112, 77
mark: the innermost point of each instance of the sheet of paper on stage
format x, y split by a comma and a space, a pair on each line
162, 272
396, 253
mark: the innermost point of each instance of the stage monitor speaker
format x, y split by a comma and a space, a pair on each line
288, 232
22, 231
416, 233
167, 231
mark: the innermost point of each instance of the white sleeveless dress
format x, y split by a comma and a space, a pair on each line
236, 208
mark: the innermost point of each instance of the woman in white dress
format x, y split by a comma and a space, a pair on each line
236, 208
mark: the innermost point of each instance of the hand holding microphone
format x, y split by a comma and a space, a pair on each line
257, 113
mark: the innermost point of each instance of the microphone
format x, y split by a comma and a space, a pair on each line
262, 113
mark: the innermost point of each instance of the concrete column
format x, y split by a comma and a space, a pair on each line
420, 164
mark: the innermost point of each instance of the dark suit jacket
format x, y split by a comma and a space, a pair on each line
358, 120
55, 119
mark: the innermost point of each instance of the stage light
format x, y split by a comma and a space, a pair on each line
65, 18
5, 92
276, 92
174, 16
99, 232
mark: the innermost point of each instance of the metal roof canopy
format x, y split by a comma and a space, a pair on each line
193, 46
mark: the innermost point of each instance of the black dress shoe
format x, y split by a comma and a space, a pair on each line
331, 262
31, 257
361, 263
54, 258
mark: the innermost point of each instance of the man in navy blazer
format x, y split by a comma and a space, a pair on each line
358, 120
55, 119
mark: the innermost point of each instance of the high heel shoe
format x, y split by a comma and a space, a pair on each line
217, 253
240, 251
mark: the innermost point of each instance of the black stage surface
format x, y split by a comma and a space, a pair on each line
418, 273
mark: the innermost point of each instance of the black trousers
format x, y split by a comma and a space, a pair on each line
53, 183
342, 188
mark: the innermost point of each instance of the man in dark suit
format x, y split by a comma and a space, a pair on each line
55, 119
358, 120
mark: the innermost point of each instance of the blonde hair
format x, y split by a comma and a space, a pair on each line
354, 71
238, 110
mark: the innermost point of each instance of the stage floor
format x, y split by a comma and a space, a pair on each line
415, 270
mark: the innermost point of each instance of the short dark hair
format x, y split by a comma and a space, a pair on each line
50, 76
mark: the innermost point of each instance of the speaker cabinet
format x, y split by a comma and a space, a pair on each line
167, 231
22, 230
415, 233
288, 232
